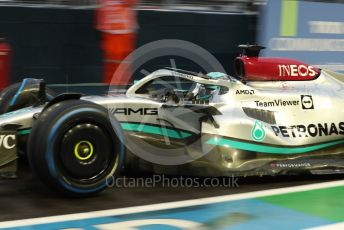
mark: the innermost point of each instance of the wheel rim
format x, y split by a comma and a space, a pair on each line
83, 150
87, 153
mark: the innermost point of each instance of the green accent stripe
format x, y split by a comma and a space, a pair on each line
268, 149
154, 130
325, 203
289, 18
141, 128
24, 131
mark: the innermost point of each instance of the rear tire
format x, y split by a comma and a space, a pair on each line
75, 148
6, 96
8, 93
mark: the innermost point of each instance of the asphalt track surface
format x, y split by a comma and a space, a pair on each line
26, 197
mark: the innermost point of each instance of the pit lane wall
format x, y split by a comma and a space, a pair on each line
62, 46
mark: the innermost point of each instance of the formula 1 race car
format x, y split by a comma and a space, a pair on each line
276, 116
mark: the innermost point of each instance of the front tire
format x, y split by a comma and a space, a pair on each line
75, 148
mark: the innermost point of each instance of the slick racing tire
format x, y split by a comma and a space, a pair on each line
8, 93
75, 148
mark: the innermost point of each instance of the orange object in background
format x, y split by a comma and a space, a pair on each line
116, 47
116, 19
5, 51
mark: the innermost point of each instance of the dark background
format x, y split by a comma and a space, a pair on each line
62, 46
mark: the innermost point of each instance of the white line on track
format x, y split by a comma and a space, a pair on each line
336, 226
169, 205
